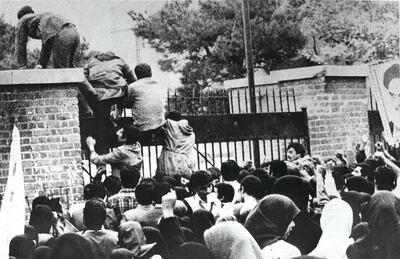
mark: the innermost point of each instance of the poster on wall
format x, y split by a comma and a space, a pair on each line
385, 85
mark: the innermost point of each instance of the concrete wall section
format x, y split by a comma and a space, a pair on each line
336, 98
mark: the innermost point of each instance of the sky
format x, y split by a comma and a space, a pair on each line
104, 24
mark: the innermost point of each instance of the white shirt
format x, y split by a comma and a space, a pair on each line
213, 204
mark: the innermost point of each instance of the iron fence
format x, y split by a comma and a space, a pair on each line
207, 109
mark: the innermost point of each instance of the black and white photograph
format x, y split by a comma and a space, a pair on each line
199, 129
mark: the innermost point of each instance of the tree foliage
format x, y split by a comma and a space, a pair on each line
349, 32
209, 36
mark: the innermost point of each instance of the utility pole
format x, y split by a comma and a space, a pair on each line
250, 72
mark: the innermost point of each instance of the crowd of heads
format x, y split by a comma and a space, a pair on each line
303, 207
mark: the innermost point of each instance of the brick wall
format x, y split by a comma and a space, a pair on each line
45, 109
336, 99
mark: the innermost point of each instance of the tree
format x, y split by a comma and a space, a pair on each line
349, 32
209, 36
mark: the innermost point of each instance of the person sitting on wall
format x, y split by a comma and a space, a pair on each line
59, 37
109, 76
178, 155
127, 156
147, 100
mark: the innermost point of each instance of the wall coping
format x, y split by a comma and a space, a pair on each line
41, 76
277, 76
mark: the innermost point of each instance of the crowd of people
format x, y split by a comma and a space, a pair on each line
303, 207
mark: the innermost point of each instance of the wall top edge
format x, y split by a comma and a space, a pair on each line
41, 76
277, 76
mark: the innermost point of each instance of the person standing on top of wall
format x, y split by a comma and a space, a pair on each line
60, 38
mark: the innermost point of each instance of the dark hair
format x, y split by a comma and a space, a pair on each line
42, 252
174, 115
338, 174
130, 178
24, 10
144, 193
299, 148
242, 174
72, 245
252, 185
181, 192
199, 178
40, 200
31, 233
41, 218
230, 170
160, 189
21, 247
359, 184
226, 191
214, 172
93, 190
143, 70
278, 168
94, 214
112, 184
131, 134
266, 180
385, 178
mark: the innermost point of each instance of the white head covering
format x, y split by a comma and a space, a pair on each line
336, 225
230, 240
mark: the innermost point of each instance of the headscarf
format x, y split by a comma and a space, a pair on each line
230, 240
305, 234
269, 220
356, 200
201, 220
336, 224
131, 237
383, 219
195, 250
294, 187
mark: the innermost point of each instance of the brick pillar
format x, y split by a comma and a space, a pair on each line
44, 105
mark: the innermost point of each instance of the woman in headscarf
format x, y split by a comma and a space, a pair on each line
201, 221
269, 223
356, 200
305, 234
131, 237
230, 240
336, 224
383, 238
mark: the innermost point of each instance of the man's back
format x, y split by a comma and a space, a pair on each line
147, 99
109, 75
